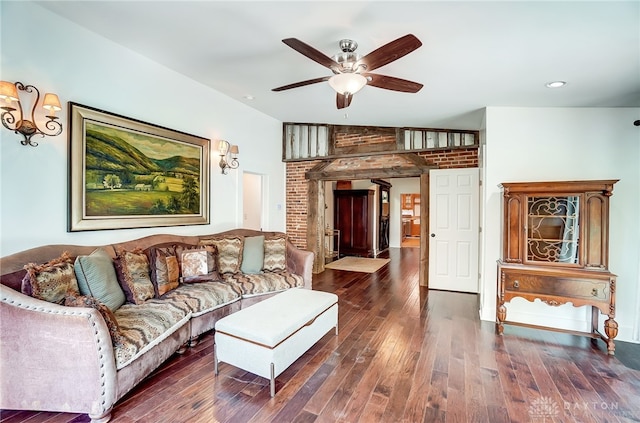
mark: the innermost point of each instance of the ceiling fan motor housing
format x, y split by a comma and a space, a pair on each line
347, 62
348, 46
348, 58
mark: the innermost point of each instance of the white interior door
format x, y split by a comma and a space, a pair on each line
453, 229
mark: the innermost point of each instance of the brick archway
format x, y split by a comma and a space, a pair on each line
366, 167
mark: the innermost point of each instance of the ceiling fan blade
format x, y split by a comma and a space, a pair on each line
343, 100
392, 83
311, 53
390, 52
302, 83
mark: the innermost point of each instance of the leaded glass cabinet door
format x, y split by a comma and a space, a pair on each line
553, 230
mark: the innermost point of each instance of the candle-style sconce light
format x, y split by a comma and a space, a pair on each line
228, 156
14, 118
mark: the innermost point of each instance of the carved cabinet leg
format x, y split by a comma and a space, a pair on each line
501, 316
611, 329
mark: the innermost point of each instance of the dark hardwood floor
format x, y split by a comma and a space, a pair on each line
403, 354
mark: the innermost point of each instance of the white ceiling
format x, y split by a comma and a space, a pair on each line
474, 54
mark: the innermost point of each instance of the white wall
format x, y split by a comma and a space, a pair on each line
399, 186
547, 144
43, 49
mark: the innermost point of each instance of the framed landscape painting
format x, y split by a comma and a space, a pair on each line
125, 173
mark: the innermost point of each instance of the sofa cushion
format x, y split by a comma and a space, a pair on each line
51, 281
146, 325
164, 269
229, 252
275, 253
97, 278
107, 314
252, 254
209, 277
264, 283
206, 296
132, 268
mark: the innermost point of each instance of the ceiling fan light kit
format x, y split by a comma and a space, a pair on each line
349, 67
347, 83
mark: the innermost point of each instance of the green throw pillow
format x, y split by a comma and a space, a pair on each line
97, 278
252, 255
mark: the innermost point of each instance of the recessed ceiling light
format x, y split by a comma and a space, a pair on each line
249, 97
556, 84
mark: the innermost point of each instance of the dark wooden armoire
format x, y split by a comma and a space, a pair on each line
353, 217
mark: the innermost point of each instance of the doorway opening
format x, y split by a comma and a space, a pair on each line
385, 167
410, 219
252, 201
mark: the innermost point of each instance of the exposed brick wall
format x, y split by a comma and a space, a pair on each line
297, 188
451, 159
297, 185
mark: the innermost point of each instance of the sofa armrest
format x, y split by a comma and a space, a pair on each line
54, 358
300, 262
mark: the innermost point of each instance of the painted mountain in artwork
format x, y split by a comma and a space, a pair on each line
108, 152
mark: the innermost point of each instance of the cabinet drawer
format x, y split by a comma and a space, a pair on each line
527, 283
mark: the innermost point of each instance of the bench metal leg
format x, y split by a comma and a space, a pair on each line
215, 360
273, 381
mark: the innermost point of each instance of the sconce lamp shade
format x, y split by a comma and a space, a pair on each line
234, 149
345, 83
51, 103
8, 91
223, 147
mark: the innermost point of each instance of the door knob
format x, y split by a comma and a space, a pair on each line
433, 235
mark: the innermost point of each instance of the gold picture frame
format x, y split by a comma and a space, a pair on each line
125, 173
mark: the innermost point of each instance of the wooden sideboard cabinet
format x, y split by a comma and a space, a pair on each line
555, 247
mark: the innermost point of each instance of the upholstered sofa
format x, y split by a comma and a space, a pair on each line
83, 358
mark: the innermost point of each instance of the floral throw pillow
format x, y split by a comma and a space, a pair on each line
229, 249
210, 249
51, 281
132, 268
194, 263
275, 253
107, 314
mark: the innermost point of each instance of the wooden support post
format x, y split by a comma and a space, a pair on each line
315, 222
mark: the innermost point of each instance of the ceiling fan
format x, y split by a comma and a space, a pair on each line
352, 71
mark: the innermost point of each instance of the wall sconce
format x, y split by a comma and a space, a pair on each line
228, 151
18, 123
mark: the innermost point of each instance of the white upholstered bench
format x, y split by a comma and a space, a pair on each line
269, 336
